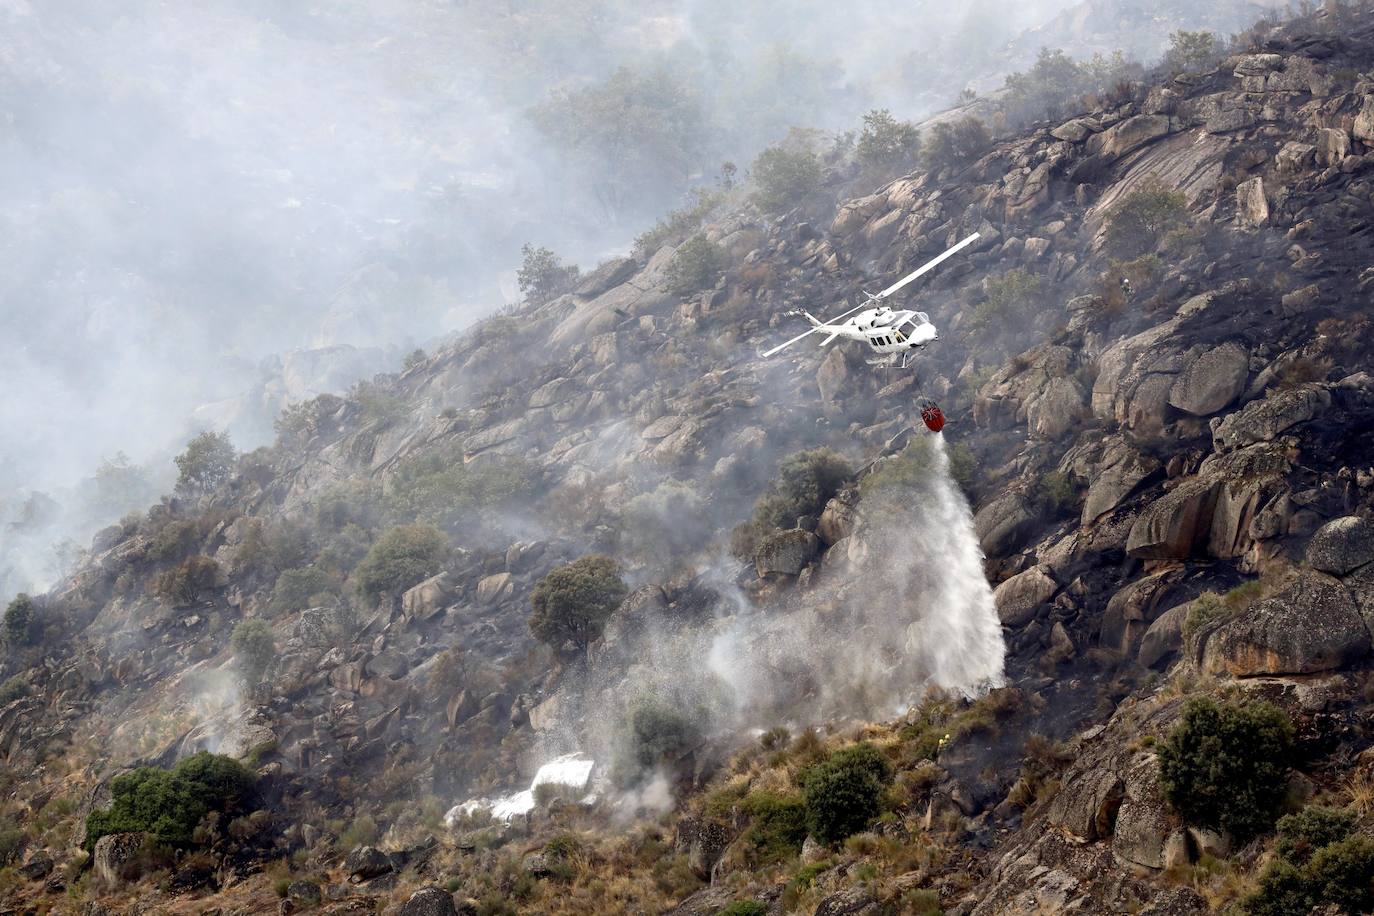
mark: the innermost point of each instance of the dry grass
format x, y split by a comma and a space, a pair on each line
1357, 790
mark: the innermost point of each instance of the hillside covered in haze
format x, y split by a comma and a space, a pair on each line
786, 650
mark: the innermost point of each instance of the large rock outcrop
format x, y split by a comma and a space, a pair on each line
1309, 626
1342, 545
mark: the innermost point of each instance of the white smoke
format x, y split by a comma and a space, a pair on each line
901, 606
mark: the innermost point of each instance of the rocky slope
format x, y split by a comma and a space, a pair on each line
1133, 445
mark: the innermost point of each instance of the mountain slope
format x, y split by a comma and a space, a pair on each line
1127, 446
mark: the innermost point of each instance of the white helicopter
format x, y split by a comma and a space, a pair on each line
890, 332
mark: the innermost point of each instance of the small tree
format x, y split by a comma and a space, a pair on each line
1226, 766
887, 145
1190, 51
573, 602
784, 175
205, 465
1138, 224
543, 275
184, 584
696, 265
843, 792
253, 648
402, 557
19, 620
300, 588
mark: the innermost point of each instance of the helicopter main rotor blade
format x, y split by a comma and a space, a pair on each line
929, 265
783, 346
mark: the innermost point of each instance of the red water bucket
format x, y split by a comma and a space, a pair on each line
933, 417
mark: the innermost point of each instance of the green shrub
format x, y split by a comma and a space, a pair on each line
1191, 51
1057, 82
442, 489
21, 620
666, 522
543, 276
272, 547
206, 464
12, 840
843, 792
956, 144
12, 689
1008, 297
1302, 834
174, 540
1283, 891
376, 404
777, 827
745, 908
963, 466
402, 557
184, 584
1137, 225
1210, 607
301, 588
1339, 872
784, 175
1343, 873
1056, 492
253, 648
168, 804
903, 472
658, 735
298, 423
678, 224
343, 552
696, 265
887, 145
1226, 766
573, 602
805, 482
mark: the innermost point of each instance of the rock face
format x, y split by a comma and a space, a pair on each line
429, 901
1311, 625
786, 553
1174, 524
113, 852
1001, 523
1087, 806
1164, 637
1019, 597
428, 598
704, 841
854, 901
1144, 823
1212, 381
1252, 208
1262, 421
367, 862
1121, 469
1132, 134
1342, 545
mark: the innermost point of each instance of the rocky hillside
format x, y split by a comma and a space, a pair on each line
1155, 367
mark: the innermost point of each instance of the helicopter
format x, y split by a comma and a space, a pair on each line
890, 332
